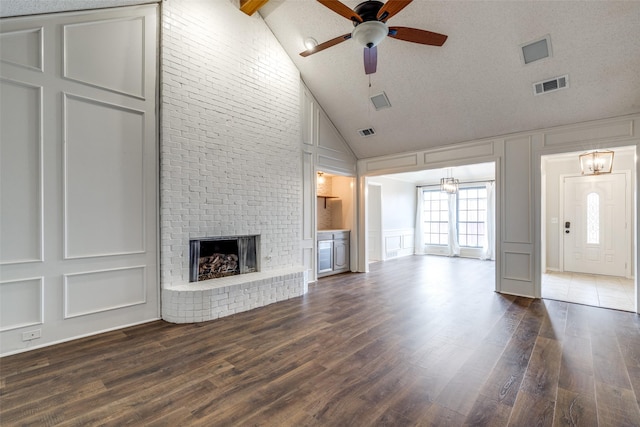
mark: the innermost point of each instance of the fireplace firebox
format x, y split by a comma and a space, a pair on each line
214, 257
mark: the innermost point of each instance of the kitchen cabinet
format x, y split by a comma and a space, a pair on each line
333, 252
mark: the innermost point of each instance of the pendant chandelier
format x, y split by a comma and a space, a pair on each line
449, 184
596, 162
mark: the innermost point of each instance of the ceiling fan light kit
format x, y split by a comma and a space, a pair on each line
370, 34
370, 21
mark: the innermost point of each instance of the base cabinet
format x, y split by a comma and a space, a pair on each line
340, 255
333, 252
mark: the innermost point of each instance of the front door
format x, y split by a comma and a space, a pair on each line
595, 226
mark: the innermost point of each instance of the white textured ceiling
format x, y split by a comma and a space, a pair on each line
475, 86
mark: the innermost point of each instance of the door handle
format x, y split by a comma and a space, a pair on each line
567, 226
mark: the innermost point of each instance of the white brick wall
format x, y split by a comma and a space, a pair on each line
211, 299
230, 137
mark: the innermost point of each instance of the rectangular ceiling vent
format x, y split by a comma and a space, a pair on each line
367, 132
551, 85
380, 101
536, 50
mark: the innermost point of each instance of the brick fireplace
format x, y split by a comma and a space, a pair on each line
216, 257
228, 168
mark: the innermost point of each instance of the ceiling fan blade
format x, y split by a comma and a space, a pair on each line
325, 45
417, 36
342, 9
390, 8
370, 59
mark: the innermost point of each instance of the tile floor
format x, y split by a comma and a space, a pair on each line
590, 289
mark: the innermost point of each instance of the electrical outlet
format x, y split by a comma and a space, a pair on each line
31, 335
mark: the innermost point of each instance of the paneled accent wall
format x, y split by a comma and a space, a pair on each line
324, 149
398, 243
78, 173
518, 190
231, 158
21, 162
517, 213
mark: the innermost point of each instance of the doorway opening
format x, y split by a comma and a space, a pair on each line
587, 232
399, 204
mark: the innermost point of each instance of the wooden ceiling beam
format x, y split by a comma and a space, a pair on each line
250, 6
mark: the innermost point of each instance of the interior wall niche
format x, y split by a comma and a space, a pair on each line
215, 257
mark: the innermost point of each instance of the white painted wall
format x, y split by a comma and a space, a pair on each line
78, 229
518, 186
398, 203
398, 216
230, 148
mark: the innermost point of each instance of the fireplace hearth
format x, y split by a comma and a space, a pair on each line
214, 257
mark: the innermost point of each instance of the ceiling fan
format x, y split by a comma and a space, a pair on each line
370, 21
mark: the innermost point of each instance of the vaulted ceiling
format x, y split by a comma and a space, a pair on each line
476, 85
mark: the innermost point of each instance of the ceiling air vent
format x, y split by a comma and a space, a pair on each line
536, 50
367, 132
380, 101
551, 85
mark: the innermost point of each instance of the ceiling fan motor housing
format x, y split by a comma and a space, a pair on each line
370, 31
368, 11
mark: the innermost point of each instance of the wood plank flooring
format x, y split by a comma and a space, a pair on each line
418, 341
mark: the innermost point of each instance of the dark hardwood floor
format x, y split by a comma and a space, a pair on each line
417, 341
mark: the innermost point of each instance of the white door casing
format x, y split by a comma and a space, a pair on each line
595, 224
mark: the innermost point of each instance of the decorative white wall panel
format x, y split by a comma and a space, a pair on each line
393, 243
596, 132
328, 136
517, 266
20, 172
104, 179
330, 163
309, 113
308, 242
95, 53
398, 242
78, 174
21, 303
23, 48
518, 221
408, 241
95, 291
333, 153
392, 163
470, 151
